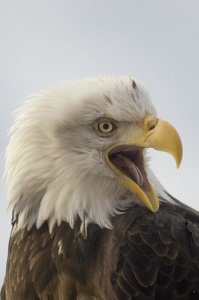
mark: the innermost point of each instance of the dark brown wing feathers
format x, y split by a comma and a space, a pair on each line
146, 256
160, 256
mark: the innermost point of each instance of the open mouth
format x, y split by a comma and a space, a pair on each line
127, 161
130, 161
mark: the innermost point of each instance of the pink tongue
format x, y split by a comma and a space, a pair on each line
125, 164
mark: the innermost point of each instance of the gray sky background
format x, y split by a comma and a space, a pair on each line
47, 41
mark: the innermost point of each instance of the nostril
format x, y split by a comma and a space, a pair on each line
151, 124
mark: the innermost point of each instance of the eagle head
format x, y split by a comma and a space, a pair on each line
79, 151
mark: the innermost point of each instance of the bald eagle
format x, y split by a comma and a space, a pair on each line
90, 219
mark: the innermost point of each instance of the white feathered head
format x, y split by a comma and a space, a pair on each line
78, 151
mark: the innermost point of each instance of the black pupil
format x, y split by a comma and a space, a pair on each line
106, 126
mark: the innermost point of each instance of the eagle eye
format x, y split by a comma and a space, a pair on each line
105, 127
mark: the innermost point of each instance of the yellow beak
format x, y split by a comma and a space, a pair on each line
149, 133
